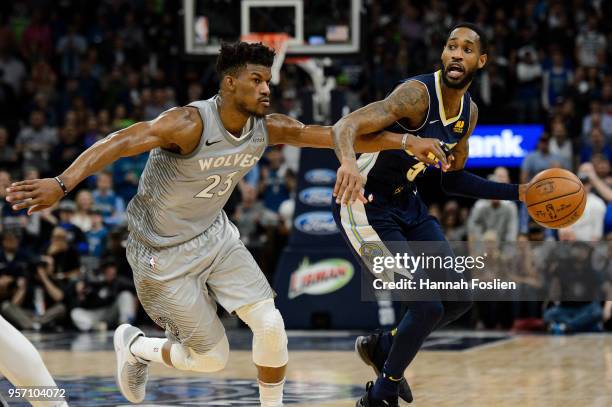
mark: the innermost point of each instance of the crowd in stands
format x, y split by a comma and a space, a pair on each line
73, 72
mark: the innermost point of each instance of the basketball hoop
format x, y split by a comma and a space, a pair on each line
276, 41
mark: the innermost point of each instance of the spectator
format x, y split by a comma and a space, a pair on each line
36, 142
454, 229
597, 118
591, 45
602, 167
597, 145
97, 234
159, 104
602, 189
590, 226
272, 185
560, 145
493, 215
71, 47
10, 219
65, 257
539, 160
555, 80
75, 236
104, 302
68, 149
121, 119
111, 205
126, 173
43, 306
576, 280
13, 69
92, 133
14, 260
248, 218
81, 218
287, 208
529, 75
36, 41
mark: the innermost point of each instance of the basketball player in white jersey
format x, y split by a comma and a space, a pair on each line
21, 364
185, 254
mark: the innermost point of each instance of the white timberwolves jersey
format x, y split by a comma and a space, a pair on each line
179, 196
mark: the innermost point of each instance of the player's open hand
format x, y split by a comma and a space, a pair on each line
349, 183
36, 194
427, 150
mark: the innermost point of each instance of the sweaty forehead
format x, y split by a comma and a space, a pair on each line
463, 33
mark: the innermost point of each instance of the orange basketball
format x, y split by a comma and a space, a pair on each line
555, 198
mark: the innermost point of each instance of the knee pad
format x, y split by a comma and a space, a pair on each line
185, 358
269, 336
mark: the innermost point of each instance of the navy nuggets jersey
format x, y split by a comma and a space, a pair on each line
392, 170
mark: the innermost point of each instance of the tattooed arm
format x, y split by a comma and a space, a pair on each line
408, 101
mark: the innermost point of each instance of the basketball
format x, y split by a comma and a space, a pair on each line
555, 198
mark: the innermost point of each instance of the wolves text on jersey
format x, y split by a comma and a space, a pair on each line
241, 160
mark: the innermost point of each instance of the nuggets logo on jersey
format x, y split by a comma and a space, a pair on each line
459, 126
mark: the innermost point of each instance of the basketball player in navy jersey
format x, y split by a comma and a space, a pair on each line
433, 109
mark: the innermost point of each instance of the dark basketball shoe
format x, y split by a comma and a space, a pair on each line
365, 346
366, 401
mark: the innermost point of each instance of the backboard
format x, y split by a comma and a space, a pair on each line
316, 27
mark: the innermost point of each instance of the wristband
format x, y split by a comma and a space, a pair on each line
405, 141
62, 185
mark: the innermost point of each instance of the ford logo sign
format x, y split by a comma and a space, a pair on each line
316, 196
316, 223
320, 176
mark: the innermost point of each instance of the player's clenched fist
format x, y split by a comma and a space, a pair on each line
349, 183
36, 194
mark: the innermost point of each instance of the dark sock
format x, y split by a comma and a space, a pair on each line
385, 388
384, 347
412, 330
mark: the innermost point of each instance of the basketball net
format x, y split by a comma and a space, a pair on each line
276, 41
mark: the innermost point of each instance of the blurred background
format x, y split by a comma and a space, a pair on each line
71, 72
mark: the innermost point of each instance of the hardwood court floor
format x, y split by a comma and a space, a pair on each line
455, 369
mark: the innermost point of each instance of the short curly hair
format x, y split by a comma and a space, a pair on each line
236, 55
482, 36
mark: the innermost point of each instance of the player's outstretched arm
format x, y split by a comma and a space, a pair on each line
408, 101
283, 129
457, 181
176, 129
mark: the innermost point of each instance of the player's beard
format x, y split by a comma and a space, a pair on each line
251, 112
469, 76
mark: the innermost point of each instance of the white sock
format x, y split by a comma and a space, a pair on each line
271, 394
148, 348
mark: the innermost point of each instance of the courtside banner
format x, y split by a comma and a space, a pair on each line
502, 145
321, 288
